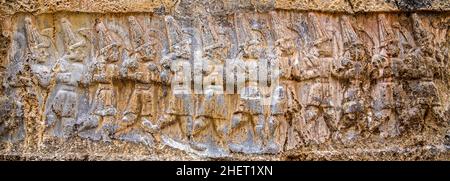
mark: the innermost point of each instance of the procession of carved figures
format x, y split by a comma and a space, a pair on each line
213, 85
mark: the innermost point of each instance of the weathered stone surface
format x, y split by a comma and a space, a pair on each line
228, 79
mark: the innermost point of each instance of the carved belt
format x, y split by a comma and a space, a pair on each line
68, 88
321, 80
385, 80
105, 86
142, 86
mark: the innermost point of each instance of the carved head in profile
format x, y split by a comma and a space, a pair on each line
114, 54
253, 50
312, 52
255, 45
28, 25
426, 45
43, 56
65, 23
286, 46
220, 52
132, 20
392, 47
153, 50
357, 52
182, 49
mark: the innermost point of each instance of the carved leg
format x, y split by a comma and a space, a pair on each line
389, 125
221, 132
294, 132
310, 116
200, 124
109, 127
201, 133
277, 133
259, 134
68, 128
239, 133
148, 126
133, 109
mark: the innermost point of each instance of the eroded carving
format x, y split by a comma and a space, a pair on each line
218, 84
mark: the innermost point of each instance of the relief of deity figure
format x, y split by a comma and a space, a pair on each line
42, 53
142, 68
16, 82
312, 71
381, 71
351, 69
284, 106
175, 125
418, 70
104, 71
70, 74
210, 124
248, 121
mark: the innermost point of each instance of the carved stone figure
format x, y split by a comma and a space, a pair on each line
210, 127
248, 121
40, 47
176, 124
103, 124
17, 83
69, 74
224, 79
141, 67
418, 70
284, 107
351, 69
41, 52
384, 118
313, 71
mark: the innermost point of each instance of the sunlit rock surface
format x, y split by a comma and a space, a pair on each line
224, 79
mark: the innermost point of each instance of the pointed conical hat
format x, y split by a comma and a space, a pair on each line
385, 30
69, 36
349, 35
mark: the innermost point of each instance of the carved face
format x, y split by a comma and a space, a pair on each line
132, 21
427, 48
43, 56
287, 47
114, 55
219, 53
28, 24
100, 27
65, 23
182, 49
392, 48
357, 52
313, 52
254, 50
151, 51
350, 116
148, 54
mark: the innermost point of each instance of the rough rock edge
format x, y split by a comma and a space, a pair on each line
394, 154
8, 7
430, 152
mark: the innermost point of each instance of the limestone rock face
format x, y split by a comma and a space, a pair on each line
224, 79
